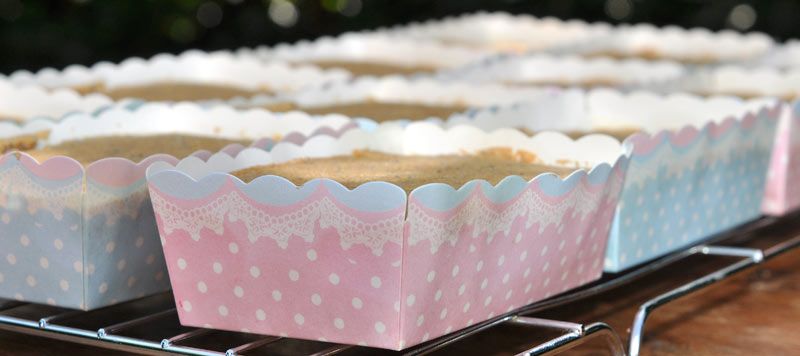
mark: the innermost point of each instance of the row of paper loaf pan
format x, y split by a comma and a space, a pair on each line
380, 265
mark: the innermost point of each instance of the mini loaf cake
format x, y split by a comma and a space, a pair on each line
376, 54
134, 148
189, 76
408, 171
398, 98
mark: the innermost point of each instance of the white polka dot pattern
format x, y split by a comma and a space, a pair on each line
782, 193
674, 197
41, 232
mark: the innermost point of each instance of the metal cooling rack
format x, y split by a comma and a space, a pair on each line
150, 325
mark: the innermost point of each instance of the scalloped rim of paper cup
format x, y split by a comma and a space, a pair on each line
22, 102
579, 110
570, 69
182, 118
372, 47
417, 138
645, 143
190, 118
675, 110
193, 66
398, 89
783, 56
677, 43
738, 80
492, 28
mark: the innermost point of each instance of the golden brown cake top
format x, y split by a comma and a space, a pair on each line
22, 142
386, 111
176, 91
588, 83
362, 68
134, 148
653, 54
408, 172
747, 95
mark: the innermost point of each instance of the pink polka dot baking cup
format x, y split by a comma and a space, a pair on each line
375, 265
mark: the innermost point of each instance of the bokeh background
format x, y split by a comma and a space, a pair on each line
55, 33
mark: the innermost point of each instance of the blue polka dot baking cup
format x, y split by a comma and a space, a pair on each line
84, 236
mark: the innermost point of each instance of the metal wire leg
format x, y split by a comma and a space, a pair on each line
576, 335
752, 257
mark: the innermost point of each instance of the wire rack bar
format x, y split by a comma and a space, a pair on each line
752, 257
588, 333
252, 345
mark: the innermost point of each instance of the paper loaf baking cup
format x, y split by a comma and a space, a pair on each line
503, 32
397, 89
745, 82
84, 236
784, 56
694, 46
567, 70
373, 265
782, 193
686, 186
373, 47
191, 67
701, 169
21, 102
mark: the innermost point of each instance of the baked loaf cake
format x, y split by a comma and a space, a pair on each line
375, 110
653, 54
175, 91
410, 171
134, 148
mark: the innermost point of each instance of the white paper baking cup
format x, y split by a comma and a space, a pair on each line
695, 45
23, 102
503, 32
568, 70
373, 47
744, 82
218, 68
785, 56
402, 90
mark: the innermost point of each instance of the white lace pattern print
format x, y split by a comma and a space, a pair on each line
485, 219
16, 183
280, 228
